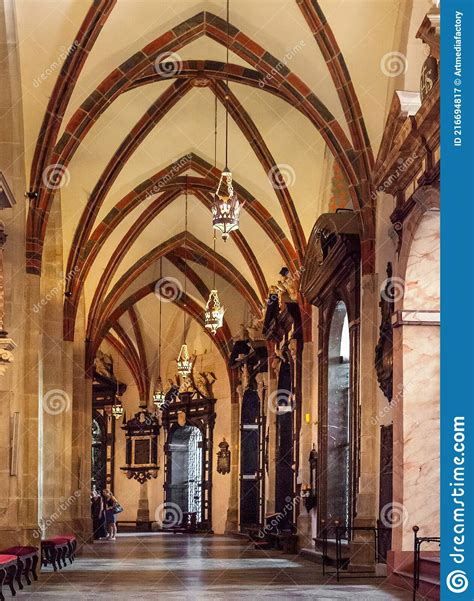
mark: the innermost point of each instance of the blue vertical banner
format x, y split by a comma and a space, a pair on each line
457, 299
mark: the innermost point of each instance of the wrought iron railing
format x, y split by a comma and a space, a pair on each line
417, 542
345, 533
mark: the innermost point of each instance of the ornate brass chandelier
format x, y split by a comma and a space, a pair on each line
185, 364
159, 397
214, 312
117, 407
226, 206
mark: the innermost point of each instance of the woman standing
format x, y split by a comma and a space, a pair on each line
112, 507
97, 511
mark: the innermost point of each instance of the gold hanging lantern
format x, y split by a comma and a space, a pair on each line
185, 365
159, 397
214, 313
226, 206
117, 408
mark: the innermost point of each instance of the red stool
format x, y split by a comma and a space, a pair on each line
72, 546
27, 562
54, 551
8, 567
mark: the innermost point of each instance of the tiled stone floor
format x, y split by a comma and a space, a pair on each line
172, 567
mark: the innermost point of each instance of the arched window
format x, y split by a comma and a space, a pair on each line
338, 468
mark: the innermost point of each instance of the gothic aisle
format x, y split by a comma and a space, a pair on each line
195, 567
219, 298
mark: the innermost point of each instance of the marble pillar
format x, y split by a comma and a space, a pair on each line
416, 360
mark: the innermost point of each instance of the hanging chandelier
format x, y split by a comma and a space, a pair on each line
185, 364
226, 206
117, 407
214, 313
159, 397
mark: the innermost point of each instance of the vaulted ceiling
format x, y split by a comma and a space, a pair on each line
119, 99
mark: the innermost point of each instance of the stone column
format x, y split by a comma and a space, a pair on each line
60, 475
81, 432
308, 407
362, 548
232, 521
19, 383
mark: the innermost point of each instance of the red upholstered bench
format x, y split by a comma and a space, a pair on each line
72, 546
57, 549
8, 567
54, 551
27, 562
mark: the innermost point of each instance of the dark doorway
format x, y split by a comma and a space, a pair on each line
386, 489
284, 472
99, 452
251, 461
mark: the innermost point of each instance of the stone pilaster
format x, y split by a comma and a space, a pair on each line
308, 408
362, 552
232, 521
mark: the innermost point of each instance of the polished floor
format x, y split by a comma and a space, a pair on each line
170, 567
